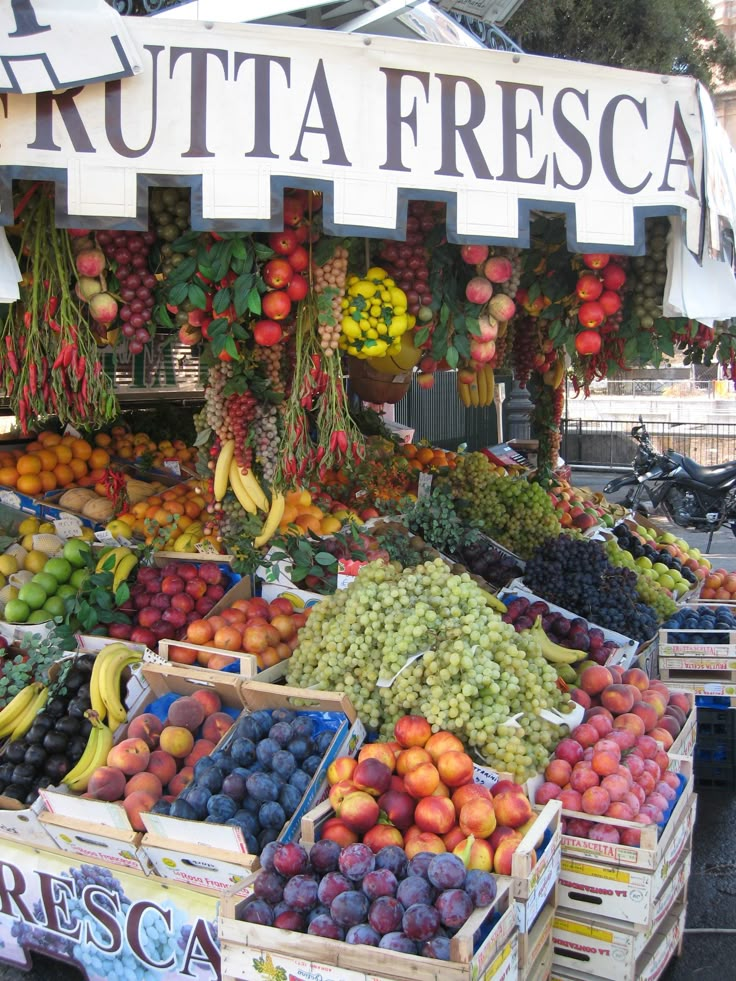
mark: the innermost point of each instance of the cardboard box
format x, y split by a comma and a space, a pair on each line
12, 498
302, 955
23, 824
300, 598
533, 883
96, 842
674, 893
206, 867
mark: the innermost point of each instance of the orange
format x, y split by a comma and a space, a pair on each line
50, 440
63, 453
29, 463
155, 501
308, 522
125, 452
29, 483
139, 509
48, 459
35, 445
81, 449
173, 507
79, 467
64, 474
290, 513
192, 509
48, 480
119, 431
184, 522
102, 439
99, 459
162, 517
425, 454
8, 476
415, 464
408, 450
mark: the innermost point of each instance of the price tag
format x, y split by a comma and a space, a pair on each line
9, 499
425, 485
206, 548
71, 431
173, 466
68, 527
387, 682
106, 538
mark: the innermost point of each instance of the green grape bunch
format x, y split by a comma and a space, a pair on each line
475, 673
648, 589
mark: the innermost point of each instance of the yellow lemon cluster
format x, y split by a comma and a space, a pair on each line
374, 315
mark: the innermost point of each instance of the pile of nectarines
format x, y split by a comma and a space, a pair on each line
423, 785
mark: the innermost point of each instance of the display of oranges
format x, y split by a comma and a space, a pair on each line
50, 462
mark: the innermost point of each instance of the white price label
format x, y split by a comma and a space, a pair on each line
9, 499
425, 485
173, 466
68, 527
206, 548
71, 431
106, 538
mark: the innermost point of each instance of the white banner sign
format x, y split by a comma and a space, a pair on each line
239, 112
54, 44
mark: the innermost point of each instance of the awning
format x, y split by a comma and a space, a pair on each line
239, 112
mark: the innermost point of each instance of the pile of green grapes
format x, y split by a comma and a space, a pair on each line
516, 513
648, 589
474, 675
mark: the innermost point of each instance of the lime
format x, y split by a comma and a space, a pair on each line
16, 611
76, 552
47, 583
39, 616
33, 595
66, 590
54, 606
78, 578
59, 568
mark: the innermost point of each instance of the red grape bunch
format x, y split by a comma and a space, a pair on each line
331, 276
129, 251
408, 262
240, 411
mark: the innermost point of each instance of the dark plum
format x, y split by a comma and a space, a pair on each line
224, 761
269, 886
251, 805
290, 859
420, 922
300, 892
349, 908
261, 787
243, 751
303, 726
311, 764
161, 807
247, 823
399, 942
202, 765
247, 729
323, 741
282, 715
332, 885
438, 947
393, 858
446, 871
234, 786
381, 882
281, 733
300, 748
356, 861
197, 797
300, 780
263, 722
210, 779
271, 815
265, 752
266, 836
454, 907
385, 914
419, 865
324, 856
414, 889
267, 855
290, 798
290, 919
362, 934
221, 807
257, 911
317, 911
325, 926
283, 763
481, 887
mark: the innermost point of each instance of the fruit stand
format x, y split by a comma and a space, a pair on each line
278, 685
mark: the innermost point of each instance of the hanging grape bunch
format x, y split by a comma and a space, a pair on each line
329, 278
128, 254
170, 210
408, 262
648, 274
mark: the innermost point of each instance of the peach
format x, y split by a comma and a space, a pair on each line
202, 747
411, 833
662, 735
655, 699
617, 699
581, 697
359, 811
604, 762
453, 838
341, 769
671, 725
182, 780
634, 764
647, 713
647, 782
443, 742
662, 760
410, 759
616, 673
608, 746
597, 710
647, 746
512, 810
147, 727
546, 792
339, 791
478, 818
635, 693
469, 791
682, 701
422, 781
630, 837
558, 771
398, 807
187, 713
569, 750
177, 741
412, 730
625, 773
503, 855
632, 800
146, 781
585, 734
381, 836
435, 814
441, 790
601, 723
208, 699
137, 803
216, 725
378, 751
131, 756
476, 853
163, 765
499, 834
571, 800
596, 800
397, 784
455, 768
630, 720
424, 842
372, 776
106, 783
595, 678
507, 786
636, 677
582, 779
624, 738
336, 830
615, 786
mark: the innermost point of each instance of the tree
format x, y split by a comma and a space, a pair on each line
666, 36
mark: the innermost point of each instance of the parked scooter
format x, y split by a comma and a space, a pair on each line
691, 496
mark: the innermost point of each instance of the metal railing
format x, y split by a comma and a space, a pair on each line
608, 442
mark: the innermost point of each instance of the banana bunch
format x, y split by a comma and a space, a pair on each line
124, 561
18, 715
248, 491
553, 376
104, 683
553, 652
99, 744
479, 392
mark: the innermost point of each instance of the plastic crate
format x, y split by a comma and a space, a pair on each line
716, 723
714, 776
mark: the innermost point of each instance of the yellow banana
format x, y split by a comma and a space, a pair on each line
474, 394
495, 603
95, 695
236, 482
119, 553
98, 757
28, 717
464, 392
123, 570
254, 489
85, 759
503, 326
559, 372
278, 503
481, 377
553, 652
490, 383
222, 468
110, 676
16, 707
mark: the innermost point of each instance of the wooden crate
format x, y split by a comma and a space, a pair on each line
302, 955
535, 947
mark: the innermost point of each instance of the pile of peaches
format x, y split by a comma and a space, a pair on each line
615, 763
419, 793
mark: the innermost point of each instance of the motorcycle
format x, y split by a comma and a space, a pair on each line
688, 494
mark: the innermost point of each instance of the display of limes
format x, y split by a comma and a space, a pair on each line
76, 551
16, 611
54, 606
33, 595
47, 583
59, 568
